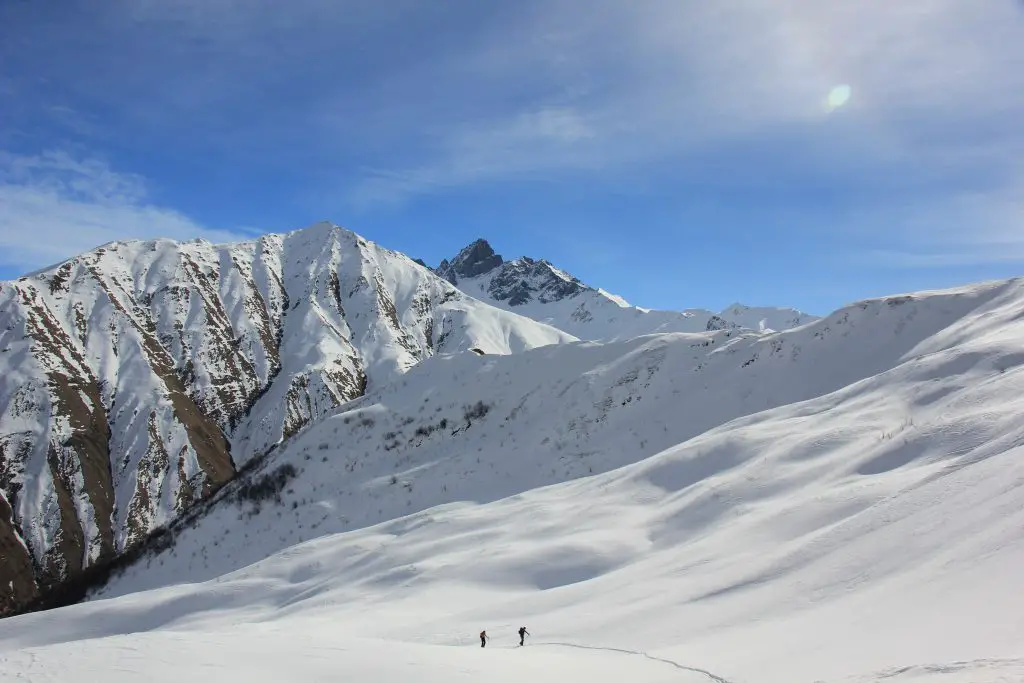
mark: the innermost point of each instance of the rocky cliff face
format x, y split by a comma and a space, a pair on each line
137, 377
513, 283
473, 261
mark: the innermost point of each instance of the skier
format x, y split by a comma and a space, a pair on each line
483, 638
522, 635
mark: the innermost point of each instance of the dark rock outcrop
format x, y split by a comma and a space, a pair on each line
473, 261
513, 282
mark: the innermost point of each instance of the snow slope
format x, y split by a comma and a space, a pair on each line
271, 655
839, 502
539, 290
135, 379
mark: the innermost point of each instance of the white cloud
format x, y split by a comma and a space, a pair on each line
54, 206
87, 180
545, 140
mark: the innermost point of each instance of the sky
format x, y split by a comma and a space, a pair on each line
680, 154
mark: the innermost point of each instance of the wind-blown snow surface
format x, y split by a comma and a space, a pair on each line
136, 378
840, 502
543, 292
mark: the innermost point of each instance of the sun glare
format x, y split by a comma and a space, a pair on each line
838, 96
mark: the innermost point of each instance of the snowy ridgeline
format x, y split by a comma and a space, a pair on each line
838, 502
136, 378
541, 291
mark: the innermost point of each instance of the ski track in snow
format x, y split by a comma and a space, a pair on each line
716, 678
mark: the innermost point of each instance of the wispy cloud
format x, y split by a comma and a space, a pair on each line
964, 228
54, 205
546, 140
968, 255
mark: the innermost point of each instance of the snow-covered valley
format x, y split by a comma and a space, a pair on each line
843, 501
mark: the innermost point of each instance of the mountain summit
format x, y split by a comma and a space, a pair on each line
546, 293
512, 283
475, 260
138, 378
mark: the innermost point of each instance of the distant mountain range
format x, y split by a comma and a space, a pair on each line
539, 290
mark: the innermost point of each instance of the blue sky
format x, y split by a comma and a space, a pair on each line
681, 154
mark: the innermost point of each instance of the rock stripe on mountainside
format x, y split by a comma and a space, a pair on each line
137, 378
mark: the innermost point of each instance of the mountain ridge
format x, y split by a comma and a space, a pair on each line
139, 376
544, 292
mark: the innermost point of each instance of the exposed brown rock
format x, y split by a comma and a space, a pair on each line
299, 408
185, 493
204, 434
152, 465
386, 305
67, 555
17, 576
76, 396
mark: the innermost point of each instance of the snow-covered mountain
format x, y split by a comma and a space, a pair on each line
139, 377
838, 502
539, 290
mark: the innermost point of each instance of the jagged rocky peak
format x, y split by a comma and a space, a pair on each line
717, 322
473, 261
525, 279
538, 289
514, 282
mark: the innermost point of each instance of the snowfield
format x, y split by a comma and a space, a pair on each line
261, 655
843, 501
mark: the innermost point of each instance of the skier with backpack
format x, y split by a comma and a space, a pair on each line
522, 635
483, 638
